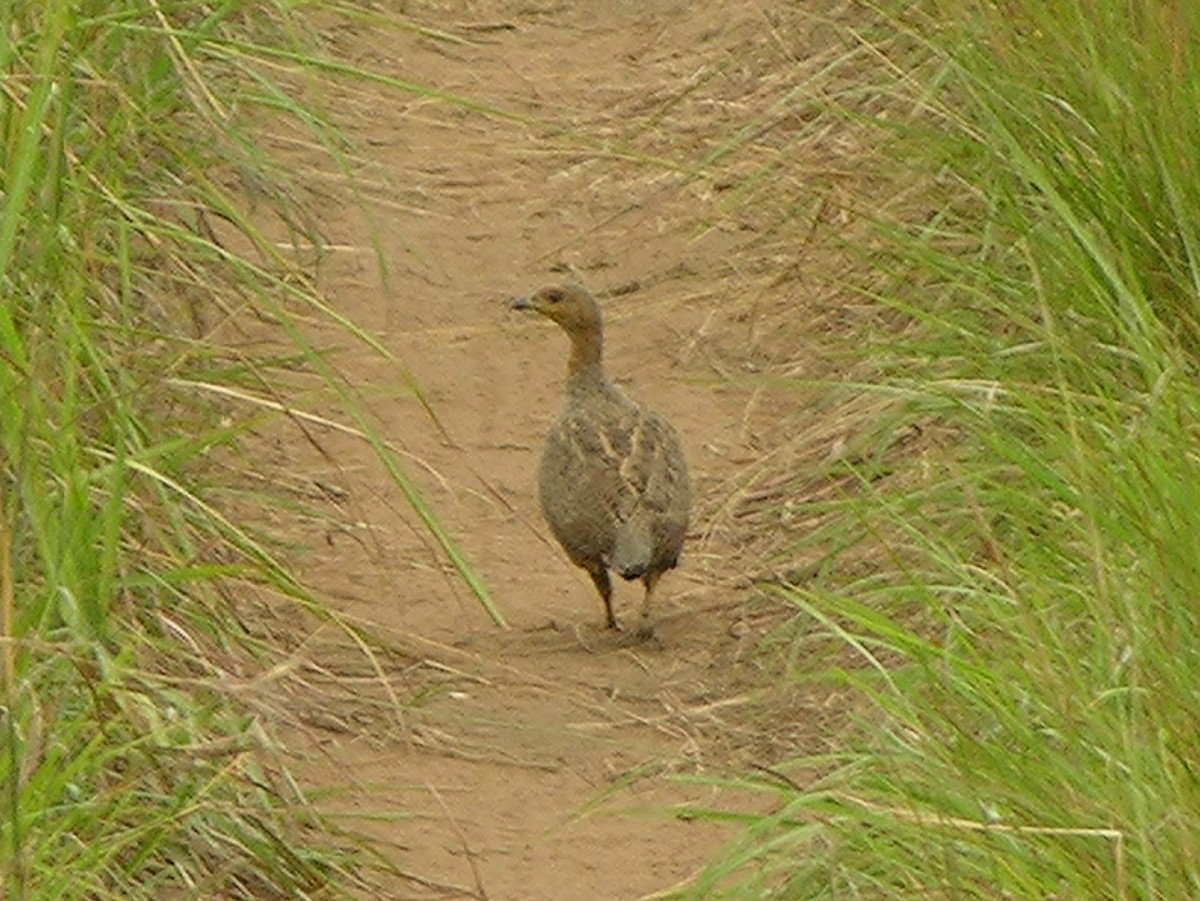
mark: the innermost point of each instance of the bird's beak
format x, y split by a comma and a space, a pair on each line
523, 303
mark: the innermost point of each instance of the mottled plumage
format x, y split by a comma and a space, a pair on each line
613, 481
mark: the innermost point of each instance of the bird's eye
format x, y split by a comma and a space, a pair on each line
554, 296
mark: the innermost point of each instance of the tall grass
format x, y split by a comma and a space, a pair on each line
1025, 649
130, 766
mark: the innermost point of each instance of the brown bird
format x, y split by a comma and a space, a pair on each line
613, 481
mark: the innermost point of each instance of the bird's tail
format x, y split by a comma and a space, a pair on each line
631, 551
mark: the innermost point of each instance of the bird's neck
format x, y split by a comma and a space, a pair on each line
586, 363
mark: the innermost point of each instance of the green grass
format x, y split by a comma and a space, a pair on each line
1024, 647
131, 765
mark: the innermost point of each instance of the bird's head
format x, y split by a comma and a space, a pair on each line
570, 305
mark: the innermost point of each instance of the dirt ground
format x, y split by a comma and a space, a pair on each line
552, 759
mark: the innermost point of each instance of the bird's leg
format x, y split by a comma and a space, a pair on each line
604, 586
646, 628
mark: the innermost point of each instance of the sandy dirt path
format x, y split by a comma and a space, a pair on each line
536, 762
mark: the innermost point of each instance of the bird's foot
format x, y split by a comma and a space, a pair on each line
645, 631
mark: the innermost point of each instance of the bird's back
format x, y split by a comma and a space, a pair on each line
614, 485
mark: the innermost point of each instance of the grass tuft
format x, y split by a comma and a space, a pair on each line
1022, 642
133, 756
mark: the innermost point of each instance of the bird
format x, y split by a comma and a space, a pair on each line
613, 480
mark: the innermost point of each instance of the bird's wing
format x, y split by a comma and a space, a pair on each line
627, 460
582, 461
657, 467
